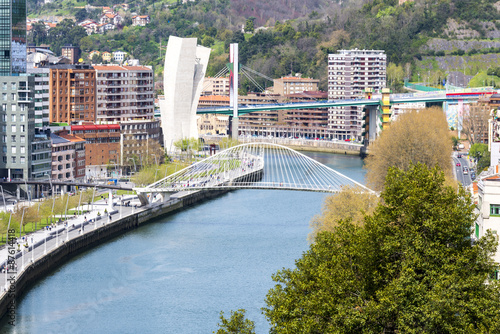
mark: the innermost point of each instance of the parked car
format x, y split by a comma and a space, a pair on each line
458, 164
459, 156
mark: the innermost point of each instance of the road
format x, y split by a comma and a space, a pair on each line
465, 179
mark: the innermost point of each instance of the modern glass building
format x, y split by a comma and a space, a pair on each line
12, 37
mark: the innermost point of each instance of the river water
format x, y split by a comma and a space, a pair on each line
176, 274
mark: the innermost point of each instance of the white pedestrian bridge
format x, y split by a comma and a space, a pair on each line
253, 166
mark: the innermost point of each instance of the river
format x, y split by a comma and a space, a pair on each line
176, 274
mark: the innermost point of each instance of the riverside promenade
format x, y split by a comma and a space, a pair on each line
47, 249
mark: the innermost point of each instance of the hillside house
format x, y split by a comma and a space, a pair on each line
140, 20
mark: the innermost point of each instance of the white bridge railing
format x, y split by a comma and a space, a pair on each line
255, 166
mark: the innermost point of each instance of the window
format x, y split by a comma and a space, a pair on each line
495, 209
13, 160
13, 85
23, 139
23, 149
13, 96
4, 86
22, 118
14, 108
23, 160
4, 96
13, 118
13, 129
22, 128
14, 149
13, 139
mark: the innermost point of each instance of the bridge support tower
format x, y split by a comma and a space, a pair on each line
233, 87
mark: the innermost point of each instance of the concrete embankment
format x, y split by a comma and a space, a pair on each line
43, 265
339, 147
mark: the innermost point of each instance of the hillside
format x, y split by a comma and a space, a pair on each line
298, 35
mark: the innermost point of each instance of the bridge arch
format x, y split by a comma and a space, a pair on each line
255, 166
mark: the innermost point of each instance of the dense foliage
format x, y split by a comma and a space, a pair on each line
479, 152
410, 268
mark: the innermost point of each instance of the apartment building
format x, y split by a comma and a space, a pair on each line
71, 52
350, 72
141, 138
294, 85
215, 86
102, 147
124, 93
41, 96
73, 94
79, 158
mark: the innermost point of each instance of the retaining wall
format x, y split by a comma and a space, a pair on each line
77, 245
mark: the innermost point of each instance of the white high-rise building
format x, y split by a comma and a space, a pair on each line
350, 72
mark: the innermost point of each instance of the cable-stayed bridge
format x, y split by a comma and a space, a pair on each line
252, 166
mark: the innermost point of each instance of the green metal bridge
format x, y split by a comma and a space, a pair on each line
400, 98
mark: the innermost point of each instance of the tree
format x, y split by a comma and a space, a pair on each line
249, 25
236, 324
410, 268
81, 15
188, 144
417, 136
475, 123
349, 204
482, 156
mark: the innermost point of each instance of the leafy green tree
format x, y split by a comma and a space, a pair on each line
481, 154
81, 15
410, 268
455, 142
249, 24
188, 144
236, 324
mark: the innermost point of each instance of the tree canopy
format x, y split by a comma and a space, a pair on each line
416, 136
351, 203
236, 324
481, 154
410, 268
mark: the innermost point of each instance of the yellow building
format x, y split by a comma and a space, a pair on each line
106, 56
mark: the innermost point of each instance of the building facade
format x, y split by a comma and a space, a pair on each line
102, 147
73, 94
489, 209
215, 86
79, 158
42, 95
71, 52
13, 37
350, 72
294, 85
124, 93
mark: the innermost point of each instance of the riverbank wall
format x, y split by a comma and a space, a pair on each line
56, 257
339, 147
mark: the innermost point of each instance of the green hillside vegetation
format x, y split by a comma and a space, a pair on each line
482, 79
299, 45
